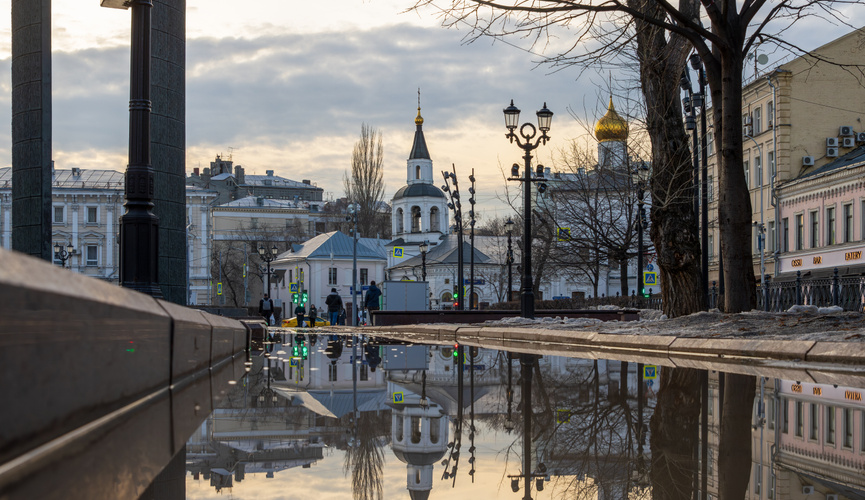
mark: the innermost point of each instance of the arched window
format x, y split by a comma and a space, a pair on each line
415, 430
399, 222
475, 301
434, 222
434, 430
416, 219
399, 428
417, 171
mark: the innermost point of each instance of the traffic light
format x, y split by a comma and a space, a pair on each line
644, 293
295, 351
294, 298
304, 351
304, 297
456, 296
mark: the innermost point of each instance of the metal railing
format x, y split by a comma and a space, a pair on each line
776, 296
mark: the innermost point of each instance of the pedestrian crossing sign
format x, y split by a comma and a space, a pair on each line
563, 234
563, 416
293, 287
650, 277
397, 252
398, 397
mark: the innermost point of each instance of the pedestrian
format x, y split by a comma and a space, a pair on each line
300, 312
265, 308
313, 312
371, 302
334, 305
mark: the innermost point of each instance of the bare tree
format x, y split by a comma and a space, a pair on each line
364, 184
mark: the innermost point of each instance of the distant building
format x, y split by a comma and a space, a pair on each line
232, 183
86, 209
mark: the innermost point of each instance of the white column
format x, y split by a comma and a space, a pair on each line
73, 216
7, 225
204, 230
109, 240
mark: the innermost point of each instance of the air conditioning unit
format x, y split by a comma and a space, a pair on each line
746, 120
807, 490
860, 137
831, 152
845, 131
808, 161
831, 142
848, 142
831, 496
746, 131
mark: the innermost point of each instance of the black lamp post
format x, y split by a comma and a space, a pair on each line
456, 206
268, 257
472, 241
640, 176
63, 253
423, 250
529, 143
697, 65
139, 226
509, 228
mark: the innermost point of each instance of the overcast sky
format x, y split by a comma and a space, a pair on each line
286, 85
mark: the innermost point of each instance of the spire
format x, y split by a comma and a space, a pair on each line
418, 147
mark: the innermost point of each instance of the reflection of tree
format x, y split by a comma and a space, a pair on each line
674, 434
365, 458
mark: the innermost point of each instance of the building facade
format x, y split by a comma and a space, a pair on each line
232, 183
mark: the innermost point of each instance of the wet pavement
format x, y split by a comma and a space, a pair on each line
446, 421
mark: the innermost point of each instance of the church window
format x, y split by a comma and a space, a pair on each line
399, 221
415, 219
415, 430
434, 432
434, 222
417, 172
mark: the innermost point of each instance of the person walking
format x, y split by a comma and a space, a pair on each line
371, 302
313, 313
334, 305
300, 312
265, 308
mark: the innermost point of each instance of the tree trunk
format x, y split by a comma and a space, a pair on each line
674, 425
734, 206
674, 223
623, 270
734, 450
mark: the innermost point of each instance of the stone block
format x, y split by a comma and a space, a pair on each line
191, 339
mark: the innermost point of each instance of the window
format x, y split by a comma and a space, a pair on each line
364, 369
746, 124
711, 407
417, 171
747, 167
434, 219
710, 195
758, 170
59, 215
848, 428
364, 276
770, 114
770, 158
830, 425
253, 222
848, 223
785, 234
785, 415
92, 255
92, 215
771, 236
711, 246
830, 226
758, 478
710, 143
800, 418
291, 275
758, 120
416, 225
399, 221
815, 229
770, 412
814, 422
331, 276
800, 232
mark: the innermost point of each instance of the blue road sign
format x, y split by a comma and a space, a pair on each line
293, 288
397, 252
650, 278
398, 397
650, 372
650, 267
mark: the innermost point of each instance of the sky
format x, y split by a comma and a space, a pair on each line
286, 85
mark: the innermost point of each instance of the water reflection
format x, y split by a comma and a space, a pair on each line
479, 423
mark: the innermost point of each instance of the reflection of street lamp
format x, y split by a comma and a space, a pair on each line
423, 249
63, 254
640, 176
268, 258
528, 132
527, 364
509, 228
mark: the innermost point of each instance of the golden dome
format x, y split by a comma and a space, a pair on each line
611, 126
419, 120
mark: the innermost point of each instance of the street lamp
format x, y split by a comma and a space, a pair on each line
63, 254
139, 226
509, 228
268, 257
456, 206
528, 133
423, 249
640, 176
472, 221
353, 209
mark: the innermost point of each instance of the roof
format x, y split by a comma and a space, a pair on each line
419, 150
488, 250
418, 190
257, 201
853, 158
276, 181
91, 179
334, 245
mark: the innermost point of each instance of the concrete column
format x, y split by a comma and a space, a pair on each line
7, 225
31, 127
168, 143
109, 240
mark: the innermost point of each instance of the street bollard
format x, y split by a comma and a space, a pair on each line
836, 292
798, 288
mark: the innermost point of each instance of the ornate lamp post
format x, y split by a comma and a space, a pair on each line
139, 226
509, 228
700, 102
63, 253
423, 250
268, 257
529, 143
640, 176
